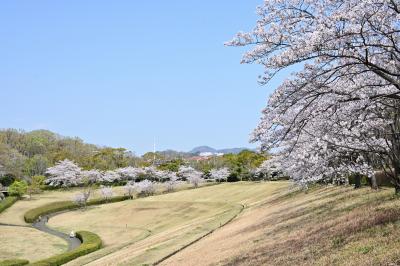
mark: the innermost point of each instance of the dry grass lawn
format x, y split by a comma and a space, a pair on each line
27, 243
31, 244
274, 225
326, 226
145, 230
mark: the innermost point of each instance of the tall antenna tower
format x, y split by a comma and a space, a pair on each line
154, 151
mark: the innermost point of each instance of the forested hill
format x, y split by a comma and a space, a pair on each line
30, 153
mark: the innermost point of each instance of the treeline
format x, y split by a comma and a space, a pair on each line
26, 154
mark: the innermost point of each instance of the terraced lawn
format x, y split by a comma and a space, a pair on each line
29, 243
144, 231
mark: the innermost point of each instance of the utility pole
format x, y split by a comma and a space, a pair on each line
154, 151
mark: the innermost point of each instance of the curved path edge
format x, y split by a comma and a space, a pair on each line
73, 242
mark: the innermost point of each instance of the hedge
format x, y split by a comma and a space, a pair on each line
6, 203
14, 262
33, 214
90, 242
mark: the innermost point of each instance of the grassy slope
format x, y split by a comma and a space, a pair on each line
28, 243
326, 226
145, 230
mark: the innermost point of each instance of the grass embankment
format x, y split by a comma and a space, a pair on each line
325, 226
7, 202
33, 214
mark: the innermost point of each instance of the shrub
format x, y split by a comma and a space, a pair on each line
33, 214
6, 203
18, 188
90, 242
14, 262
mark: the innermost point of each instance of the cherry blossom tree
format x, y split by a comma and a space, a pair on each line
145, 187
221, 174
130, 173
153, 173
192, 175
110, 176
172, 181
82, 198
65, 173
340, 113
130, 188
106, 192
92, 176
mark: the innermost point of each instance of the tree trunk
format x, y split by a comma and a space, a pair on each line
357, 181
396, 176
374, 184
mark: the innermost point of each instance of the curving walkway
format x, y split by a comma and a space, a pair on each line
73, 242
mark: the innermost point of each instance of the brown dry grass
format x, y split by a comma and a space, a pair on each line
326, 226
173, 220
28, 243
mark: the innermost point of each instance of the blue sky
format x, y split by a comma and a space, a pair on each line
119, 73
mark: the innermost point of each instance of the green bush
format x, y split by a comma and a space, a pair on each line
90, 242
14, 262
7, 202
33, 214
18, 188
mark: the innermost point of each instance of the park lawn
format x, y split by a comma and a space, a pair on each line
324, 226
33, 244
28, 243
15, 214
145, 230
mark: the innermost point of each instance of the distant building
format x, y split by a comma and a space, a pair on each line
206, 154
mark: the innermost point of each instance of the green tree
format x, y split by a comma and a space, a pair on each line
172, 165
36, 165
36, 186
242, 163
18, 188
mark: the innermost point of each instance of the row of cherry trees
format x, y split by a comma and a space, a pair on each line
340, 113
66, 174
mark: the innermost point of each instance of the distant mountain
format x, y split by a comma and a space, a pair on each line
201, 149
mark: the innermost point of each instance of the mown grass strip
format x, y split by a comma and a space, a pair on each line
33, 214
14, 262
90, 242
6, 203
